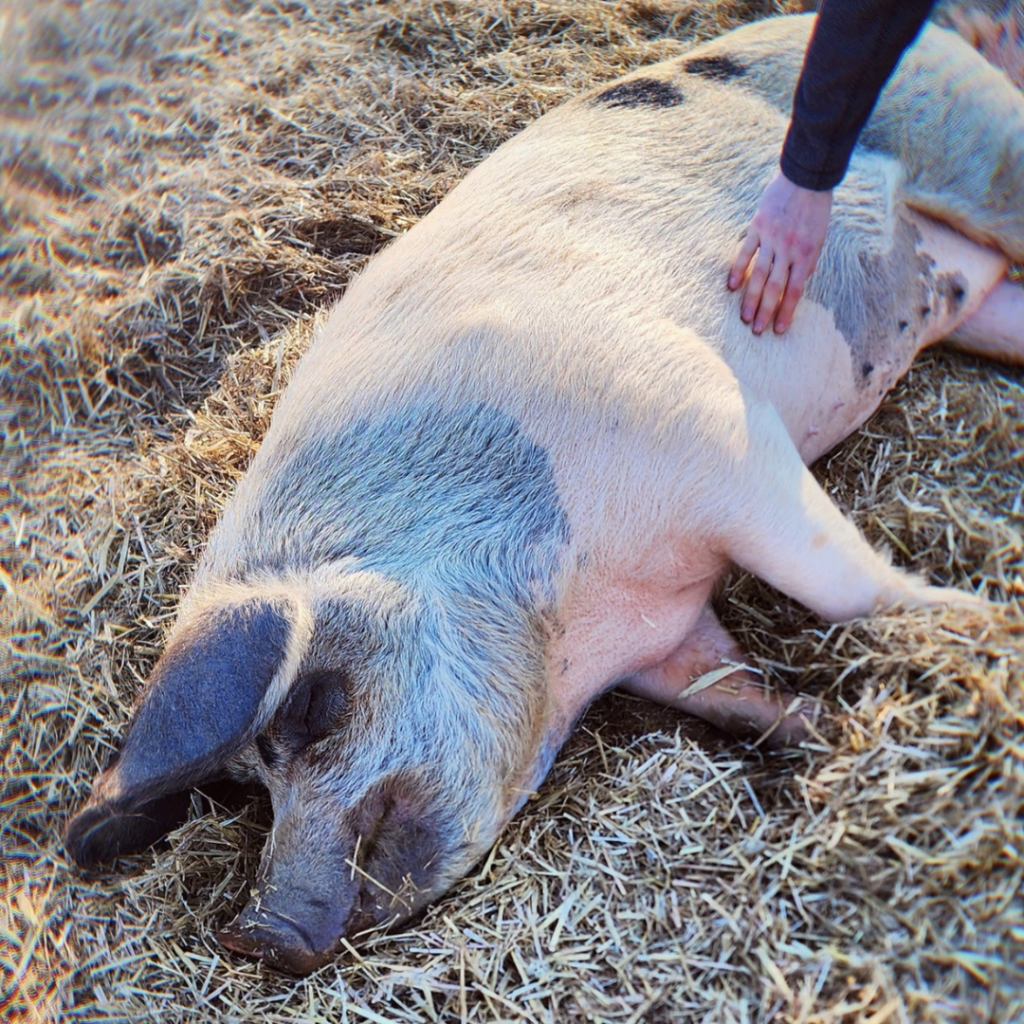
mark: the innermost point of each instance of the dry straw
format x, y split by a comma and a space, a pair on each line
180, 183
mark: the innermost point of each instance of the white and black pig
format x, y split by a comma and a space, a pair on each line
526, 444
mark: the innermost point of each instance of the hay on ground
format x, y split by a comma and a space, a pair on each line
182, 187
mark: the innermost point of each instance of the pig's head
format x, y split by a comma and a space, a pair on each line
397, 730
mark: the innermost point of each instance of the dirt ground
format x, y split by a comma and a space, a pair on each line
183, 186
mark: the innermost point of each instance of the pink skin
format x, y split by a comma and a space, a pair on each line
737, 704
996, 331
787, 233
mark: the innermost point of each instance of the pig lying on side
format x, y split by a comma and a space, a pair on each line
527, 443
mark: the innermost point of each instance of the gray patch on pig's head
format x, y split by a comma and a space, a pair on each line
457, 495
420, 552
420, 718
405, 744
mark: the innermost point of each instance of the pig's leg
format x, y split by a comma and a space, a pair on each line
996, 330
957, 125
1000, 40
955, 122
784, 528
738, 703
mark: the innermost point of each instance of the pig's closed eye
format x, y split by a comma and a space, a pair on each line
317, 707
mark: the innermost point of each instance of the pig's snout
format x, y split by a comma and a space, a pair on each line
309, 933
320, 884
280, 940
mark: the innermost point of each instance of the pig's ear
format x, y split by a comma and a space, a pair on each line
217, 684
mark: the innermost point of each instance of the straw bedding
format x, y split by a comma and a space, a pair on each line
182, 187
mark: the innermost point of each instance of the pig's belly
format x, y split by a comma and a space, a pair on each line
616, 622
611, 630
814, 382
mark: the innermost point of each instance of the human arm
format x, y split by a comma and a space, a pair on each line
855, 46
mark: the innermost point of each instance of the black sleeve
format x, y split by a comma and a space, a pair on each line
855, 47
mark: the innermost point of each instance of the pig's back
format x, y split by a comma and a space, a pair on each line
565, 256
575, 281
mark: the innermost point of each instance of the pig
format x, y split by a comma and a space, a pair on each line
993, 27
522, 450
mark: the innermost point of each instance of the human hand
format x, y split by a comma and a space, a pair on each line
789, 229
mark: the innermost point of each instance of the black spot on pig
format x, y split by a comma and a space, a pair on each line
903, 325
953, 288
641, 92
719, 68
866, 370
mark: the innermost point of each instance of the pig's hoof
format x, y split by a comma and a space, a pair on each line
924, 596
952, 598
802, 719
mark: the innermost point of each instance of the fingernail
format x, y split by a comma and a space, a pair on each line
781, 328
733, 282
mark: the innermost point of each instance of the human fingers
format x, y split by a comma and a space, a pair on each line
798, 274
756, 283
773, 289
744, 255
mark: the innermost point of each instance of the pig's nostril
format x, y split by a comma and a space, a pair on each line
275, 939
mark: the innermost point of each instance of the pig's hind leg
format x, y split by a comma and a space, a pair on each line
1000, 40
957, 126
705, 677
996, 330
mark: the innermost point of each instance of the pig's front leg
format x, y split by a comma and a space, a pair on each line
784, 528
738, 702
